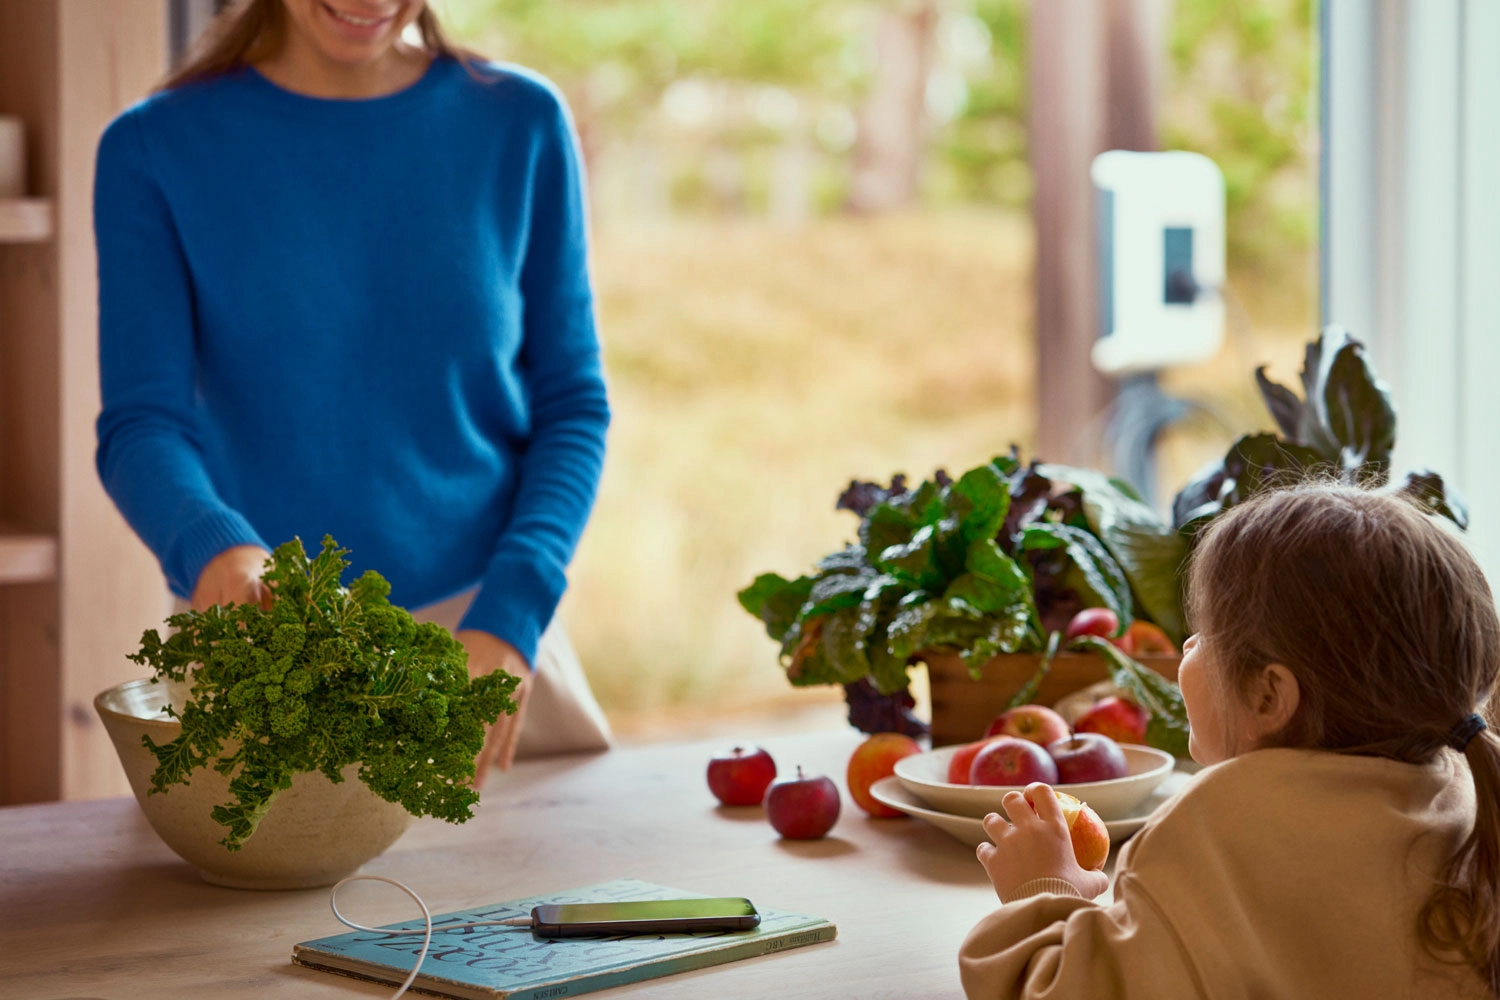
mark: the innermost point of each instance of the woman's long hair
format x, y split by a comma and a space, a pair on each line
250, 30
1387, 623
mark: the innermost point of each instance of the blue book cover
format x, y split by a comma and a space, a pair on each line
509, 963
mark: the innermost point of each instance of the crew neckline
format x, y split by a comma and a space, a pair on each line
344, 107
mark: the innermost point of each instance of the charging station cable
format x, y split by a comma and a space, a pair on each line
426, 932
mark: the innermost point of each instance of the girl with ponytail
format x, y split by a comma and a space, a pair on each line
1345, 839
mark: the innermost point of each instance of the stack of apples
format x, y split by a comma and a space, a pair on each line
1033, 743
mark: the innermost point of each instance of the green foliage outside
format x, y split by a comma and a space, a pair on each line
1239, 76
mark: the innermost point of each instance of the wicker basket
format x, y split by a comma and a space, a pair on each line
963, 707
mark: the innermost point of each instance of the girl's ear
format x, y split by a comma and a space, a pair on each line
1273, 700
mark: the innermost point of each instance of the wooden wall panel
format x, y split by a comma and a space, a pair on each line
112, 53
67, 67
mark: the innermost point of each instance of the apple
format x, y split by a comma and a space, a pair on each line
1088, 757
872, 760
739, 776
1145, 639
802, 808
1036, 723
1008, 760
1094, 621
960, 762
1121, 719
1087, 831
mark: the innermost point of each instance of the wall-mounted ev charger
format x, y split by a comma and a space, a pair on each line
1161, 260
1160, 249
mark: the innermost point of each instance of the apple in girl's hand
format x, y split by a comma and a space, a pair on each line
1145, 639
802, 808
739, 776
1087, 831
872, 760
1120, 719
963, 759
1094, 621
1036, 723
1008, 760
1088, 757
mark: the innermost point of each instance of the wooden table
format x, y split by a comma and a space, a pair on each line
93, 905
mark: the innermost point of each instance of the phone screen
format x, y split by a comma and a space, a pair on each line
653, 916
651, 909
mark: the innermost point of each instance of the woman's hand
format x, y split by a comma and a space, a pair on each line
233, 577
488, 653
1035, 844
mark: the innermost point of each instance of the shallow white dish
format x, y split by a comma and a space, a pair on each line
925, 774
971, 831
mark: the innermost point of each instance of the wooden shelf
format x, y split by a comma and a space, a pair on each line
26, 556
25, 220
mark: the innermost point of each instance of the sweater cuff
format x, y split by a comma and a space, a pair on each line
198, 543
516, 601
1037, 886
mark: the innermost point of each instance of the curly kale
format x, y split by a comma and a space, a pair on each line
329, 676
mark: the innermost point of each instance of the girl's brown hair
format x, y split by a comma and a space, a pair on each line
1387, 623
250, 30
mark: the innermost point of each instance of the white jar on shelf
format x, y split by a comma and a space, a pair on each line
12, 157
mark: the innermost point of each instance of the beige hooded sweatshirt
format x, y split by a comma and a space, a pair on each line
1279, 873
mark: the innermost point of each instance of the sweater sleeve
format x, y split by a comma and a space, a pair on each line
563, 374
149, 455
1055, 946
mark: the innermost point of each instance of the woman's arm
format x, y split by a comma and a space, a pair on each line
148, 456
563, 372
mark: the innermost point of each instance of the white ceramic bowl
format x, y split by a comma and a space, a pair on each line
314, 833
969, 830
925, 776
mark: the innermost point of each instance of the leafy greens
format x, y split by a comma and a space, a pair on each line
329, 676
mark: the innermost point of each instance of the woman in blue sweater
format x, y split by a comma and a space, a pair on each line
343, 290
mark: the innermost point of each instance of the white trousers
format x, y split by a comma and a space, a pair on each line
562, 715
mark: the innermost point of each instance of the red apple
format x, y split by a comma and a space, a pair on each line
739, 776
1036, 723
872, 760
802, 808
1087, 831
1008, 760
1094, 621
1088, 757
1120, 719
1145, 639
960, 762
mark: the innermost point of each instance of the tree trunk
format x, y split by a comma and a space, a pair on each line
892, 138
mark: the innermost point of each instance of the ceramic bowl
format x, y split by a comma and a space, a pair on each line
314, 833
925, 776
968, 830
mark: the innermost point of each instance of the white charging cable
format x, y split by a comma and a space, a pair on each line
426, 933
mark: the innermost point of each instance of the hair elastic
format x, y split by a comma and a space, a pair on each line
1466, 731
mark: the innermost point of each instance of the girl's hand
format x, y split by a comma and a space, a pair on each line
488, 653
1035, 844
233, 577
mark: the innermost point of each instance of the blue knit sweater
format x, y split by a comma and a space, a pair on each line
365, 318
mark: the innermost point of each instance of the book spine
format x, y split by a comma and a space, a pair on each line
687, 963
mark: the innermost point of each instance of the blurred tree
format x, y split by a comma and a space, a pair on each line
1242, 92
1239, 89
893, 121
984, 149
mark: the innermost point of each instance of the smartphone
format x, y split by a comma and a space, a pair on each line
654, 916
